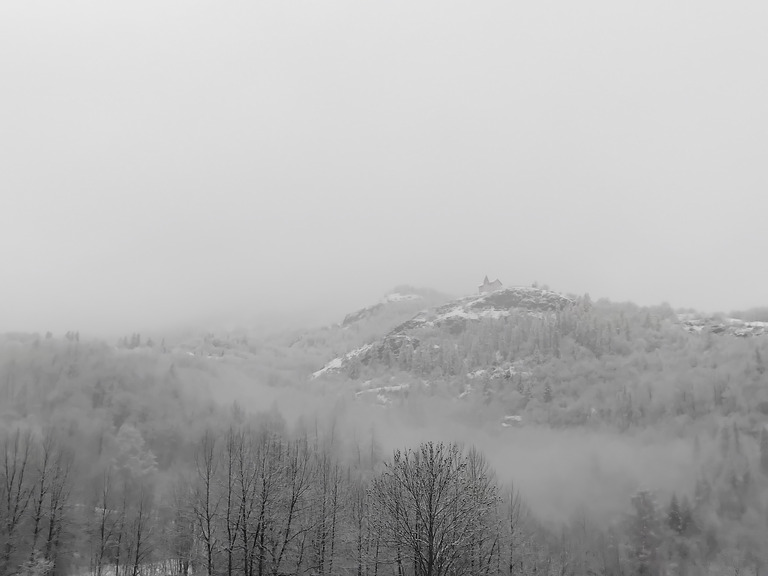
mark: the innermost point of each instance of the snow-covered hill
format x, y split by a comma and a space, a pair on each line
452, 316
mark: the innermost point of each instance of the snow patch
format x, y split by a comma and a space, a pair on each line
334, 364
380, 389
467, 391
337, 363
397, 297
463, 312
508, 421
382, 392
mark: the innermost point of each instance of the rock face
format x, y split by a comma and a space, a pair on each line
697, 324
531, 299
452, 316
392, 345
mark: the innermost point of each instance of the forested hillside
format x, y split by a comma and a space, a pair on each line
599, 438
618, 370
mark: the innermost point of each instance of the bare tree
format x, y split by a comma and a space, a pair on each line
514, 515
485, 544
17, 489
335, 509
287, 524
428, 505
232, 516
205, 505
117, 546
58, 500
328, 486
140, 545
364, 538
104, 527
258, 479
42, 487
181, 536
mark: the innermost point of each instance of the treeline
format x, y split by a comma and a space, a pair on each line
261, 503
252, 496
255, 499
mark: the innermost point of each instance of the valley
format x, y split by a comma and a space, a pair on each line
594, 412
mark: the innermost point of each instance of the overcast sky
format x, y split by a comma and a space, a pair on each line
168, 160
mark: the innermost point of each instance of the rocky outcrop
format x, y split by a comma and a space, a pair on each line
696, 324
522, 298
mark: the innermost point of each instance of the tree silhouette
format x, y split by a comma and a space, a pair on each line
430, 507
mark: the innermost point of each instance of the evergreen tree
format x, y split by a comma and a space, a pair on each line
644, 535
687, 524
674, 515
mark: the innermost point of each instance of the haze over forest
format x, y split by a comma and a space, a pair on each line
240, 321
170, 161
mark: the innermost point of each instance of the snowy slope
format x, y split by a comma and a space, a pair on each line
496, 305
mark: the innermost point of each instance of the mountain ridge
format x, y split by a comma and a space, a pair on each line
494, 305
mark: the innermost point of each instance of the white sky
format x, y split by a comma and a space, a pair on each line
168, 160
